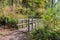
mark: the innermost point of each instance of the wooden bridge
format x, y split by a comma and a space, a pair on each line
28, 24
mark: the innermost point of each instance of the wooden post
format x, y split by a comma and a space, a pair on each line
22, 23
35, 23
26, 22
32, 23
28, 25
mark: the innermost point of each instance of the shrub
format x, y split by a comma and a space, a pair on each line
2, 20
8, 21
48, 34
12, 22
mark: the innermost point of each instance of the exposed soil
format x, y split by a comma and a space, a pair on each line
20, 34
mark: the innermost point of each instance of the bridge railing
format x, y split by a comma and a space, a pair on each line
30, 23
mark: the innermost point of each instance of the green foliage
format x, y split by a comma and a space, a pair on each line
2, 20
8, 21
49, 17
48, 34
24, 6
32, 13
4, 2
34, 5
48, 14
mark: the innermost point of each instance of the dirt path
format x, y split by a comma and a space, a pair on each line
20, 34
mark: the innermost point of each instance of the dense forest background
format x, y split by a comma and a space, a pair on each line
42, 9
32, 8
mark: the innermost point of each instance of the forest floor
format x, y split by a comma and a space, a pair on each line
20, 34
